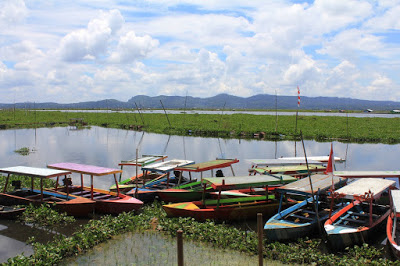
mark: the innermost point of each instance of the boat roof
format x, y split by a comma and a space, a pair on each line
84, 169
358, 174
396, 199
167, 166
144, 160
323, 159
248, 181
34, 171
265, 162
319, 182
205, 166
364, 185
288, 168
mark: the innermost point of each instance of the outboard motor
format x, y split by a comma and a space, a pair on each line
16, 184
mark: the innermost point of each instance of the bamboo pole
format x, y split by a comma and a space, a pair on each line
169, 123
141, 117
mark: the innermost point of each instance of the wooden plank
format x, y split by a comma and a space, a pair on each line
205, 166
319, 182
84, 169
364, 185
365, 174
167, 166
34, 171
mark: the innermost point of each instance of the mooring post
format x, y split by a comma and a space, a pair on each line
180, 247
260, 238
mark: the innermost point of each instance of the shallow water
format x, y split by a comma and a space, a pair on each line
107, 147
151, 248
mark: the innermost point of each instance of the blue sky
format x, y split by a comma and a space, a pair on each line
71, 51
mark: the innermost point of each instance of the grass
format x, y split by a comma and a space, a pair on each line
320, 128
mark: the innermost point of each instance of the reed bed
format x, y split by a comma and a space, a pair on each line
320, 128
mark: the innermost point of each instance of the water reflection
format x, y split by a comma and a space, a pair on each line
107, 147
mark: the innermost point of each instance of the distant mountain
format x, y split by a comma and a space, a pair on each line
261, 101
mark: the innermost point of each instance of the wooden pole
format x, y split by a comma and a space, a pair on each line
311, 186
179, 242
169, 123
260, 238
141, 117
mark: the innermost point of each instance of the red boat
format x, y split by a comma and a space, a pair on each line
107, 202
393, 224
71, 204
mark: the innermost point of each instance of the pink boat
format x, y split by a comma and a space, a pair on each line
107, 202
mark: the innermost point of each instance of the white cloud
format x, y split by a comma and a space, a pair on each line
132, 47
11, 12
93, 41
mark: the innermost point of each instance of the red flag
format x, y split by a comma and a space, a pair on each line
298, 96
329, 167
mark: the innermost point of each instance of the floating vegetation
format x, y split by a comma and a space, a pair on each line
24, 151
221, 236
44, 215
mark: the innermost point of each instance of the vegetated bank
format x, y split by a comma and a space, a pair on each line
152, 217
320, 128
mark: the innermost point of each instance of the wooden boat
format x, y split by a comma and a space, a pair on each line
193, 190
140, 178
354, 223
148, 191
302, 219
228, 209
72, 205
295, 170
106, 202
392, 226
10, 212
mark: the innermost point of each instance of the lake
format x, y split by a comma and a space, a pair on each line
107, 147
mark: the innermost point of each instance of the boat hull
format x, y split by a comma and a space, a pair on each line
390, 241
341, 235
231, 212
10, 212
75, 206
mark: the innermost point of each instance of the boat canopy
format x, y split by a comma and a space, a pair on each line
360, 187
396, 200
144, 160
323, 159
319, 182
205, 166
293, 169
266, 162
167, 166
84, 169
248, 181
364, 174
34, 171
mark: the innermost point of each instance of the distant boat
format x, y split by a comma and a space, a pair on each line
355, 223
71, 204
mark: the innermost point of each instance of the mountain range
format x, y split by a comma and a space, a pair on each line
221, 101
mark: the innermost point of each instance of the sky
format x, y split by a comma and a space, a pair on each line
73, 51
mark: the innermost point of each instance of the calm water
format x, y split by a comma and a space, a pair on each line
107, 147
230, 112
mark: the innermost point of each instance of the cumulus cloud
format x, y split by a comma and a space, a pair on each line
132, 47
91, 42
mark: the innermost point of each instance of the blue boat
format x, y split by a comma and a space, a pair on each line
301, 220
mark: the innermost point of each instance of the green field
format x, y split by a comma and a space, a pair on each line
320, 128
